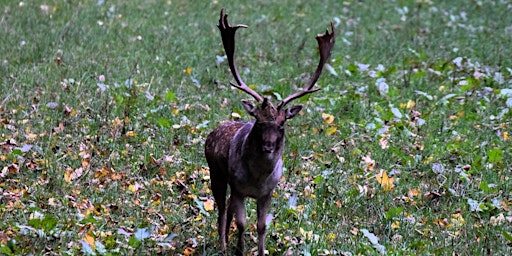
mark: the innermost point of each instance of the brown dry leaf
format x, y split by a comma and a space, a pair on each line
155, 161
368, 162
52, 202
86, 161
67, 110
70, 174
413, 192
103, 172
384, 141
31, 136
442, 222
168, 159
156, 198
117, 122
188, 251
59, 128
116, 176
13, 168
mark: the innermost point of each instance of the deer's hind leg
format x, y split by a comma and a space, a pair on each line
219, 189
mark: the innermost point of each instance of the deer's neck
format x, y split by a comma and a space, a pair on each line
253, 149
253, 172
247, 146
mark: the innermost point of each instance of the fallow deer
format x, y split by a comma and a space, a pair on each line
248, 155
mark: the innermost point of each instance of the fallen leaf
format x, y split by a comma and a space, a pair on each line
331, 130
131, 134
413, 192
385, 181
328, 119
208, 205
90, 240
70, 174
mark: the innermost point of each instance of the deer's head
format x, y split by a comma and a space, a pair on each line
270, 122
270, 119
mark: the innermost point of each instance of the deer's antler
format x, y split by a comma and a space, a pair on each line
228, 40
325, 44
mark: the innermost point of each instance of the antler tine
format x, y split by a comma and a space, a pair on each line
228, 40
325, 44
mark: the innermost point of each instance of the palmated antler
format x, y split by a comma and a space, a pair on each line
325, 44
228, 40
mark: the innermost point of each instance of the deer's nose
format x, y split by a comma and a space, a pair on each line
268, 147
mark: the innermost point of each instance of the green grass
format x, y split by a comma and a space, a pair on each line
106, 106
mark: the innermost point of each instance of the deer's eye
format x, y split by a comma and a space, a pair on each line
281, 126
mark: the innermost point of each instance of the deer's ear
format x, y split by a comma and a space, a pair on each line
293, 111
249, 107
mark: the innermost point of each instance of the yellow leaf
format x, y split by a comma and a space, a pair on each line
306, 234
457, 219
134, 187
410, 104
331, 130
90, 240
67, 176
131, 134
208, 205
385, 181
328, 119
395, 224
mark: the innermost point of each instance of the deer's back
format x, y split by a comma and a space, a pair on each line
218, 143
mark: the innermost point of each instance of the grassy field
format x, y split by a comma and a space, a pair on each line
106, 105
